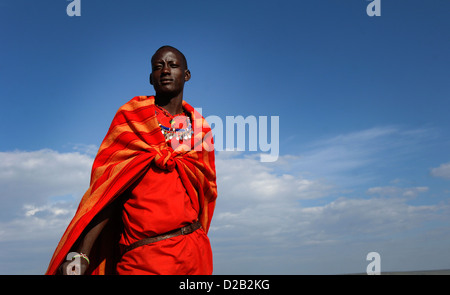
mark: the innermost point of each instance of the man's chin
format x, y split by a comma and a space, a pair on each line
166, 92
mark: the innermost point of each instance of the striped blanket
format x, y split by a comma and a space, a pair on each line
134, 142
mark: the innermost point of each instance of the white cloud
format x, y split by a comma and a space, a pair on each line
38, 223
31, 183
260, 213
366, 218
393, 191
283, 217
443, 171
246, 180
321, 201
39, 193
253, 199
363, 153
86, 149
34, 177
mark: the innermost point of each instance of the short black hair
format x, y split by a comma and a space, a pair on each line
173, 48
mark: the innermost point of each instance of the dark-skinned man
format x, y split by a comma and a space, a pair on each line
153, 187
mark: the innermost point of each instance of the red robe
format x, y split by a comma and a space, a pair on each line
134, 147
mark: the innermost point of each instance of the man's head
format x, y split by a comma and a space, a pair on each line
169, 71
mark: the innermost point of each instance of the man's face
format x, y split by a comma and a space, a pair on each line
168, 72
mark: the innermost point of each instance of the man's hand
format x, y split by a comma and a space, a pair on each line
76, 262
77, 266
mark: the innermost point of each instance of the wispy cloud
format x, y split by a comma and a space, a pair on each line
363, 153
39, 192
261, 213
289, 216
393, 191
266, 209
33, 177
34, 223
443, 171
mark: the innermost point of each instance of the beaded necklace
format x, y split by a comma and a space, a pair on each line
174, 126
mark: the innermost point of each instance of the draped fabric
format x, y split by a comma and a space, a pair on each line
133, 143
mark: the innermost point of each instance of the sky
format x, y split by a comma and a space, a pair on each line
362, 102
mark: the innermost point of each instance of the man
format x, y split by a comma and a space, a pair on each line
153, 187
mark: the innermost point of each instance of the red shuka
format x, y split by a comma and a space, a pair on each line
134, 147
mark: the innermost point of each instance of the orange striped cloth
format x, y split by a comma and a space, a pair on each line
134, 142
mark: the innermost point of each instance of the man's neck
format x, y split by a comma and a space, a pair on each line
172, 104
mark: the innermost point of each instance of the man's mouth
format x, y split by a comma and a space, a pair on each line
166, 81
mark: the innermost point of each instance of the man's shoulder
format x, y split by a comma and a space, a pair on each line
140, 98
137, 102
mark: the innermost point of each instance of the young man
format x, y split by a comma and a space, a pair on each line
153, 187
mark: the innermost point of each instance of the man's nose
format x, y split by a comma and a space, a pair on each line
165, 69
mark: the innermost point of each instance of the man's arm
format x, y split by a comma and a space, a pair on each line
87, 241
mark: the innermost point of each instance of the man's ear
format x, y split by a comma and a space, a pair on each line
187, 75
150, 79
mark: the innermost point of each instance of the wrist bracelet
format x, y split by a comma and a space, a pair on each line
83, 256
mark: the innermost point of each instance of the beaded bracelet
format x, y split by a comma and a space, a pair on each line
83, 256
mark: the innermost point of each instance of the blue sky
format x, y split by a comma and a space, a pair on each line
362, 101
